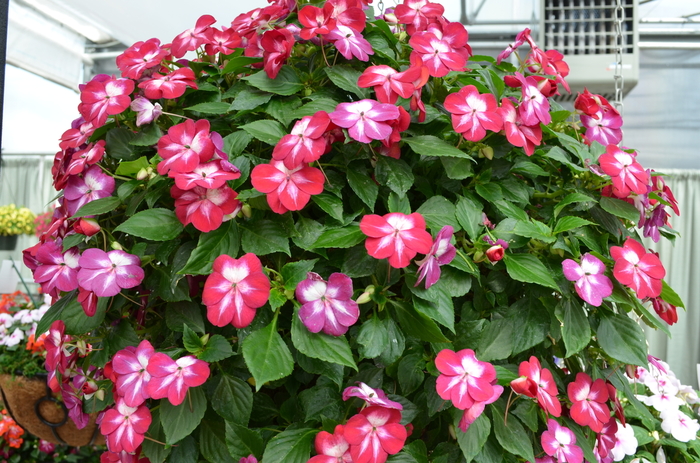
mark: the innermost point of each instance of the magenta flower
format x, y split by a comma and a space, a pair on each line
371, 396
520, 39
588, 399
332, 448
235, 288
185, 146
472, 413
538, 382
124, 427
192, 38
603, 127
146, 112
141, 56
517, 133
534, 106
441, 253
104, 96
591, 283
56, 354
473, 113
210, 175
627, 175
172, 378
464, 380
306, 143
365, 119
93, 185
437, 53
327, 306
77, 135
374, 434
130, 367
223, 41
88, 156
640, 270
249, 459
559, 442
287, 189
389, 83
107, 273
350, 42
204, 208
417, 14
396, 236
57, 270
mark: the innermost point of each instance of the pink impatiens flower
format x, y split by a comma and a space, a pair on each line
332, 448
473, 113
350, 43
537, 382
365, 119
591, 283
172, 378
374, 434
211, 175
640, 270
287, 189
185, 146
168, 86
517, 133
371, 396
305, 143
389, 83
588, 400
104, 96
604, 127
204, 208
627, 175
124, 427
464, 379
235, 288
327, 306
437, 53
57, 270
130, 367
396, 236
107, 273
560, 442
472, 413
146, 112
88, 156
92, 185
441, 253
141, 56
192, 38
277, 45
534, 106
417, 14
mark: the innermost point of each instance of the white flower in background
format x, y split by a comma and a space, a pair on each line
15, 338
679, 425
689, 395
6, 320
626, 442
24, 316
660, 455
639, 460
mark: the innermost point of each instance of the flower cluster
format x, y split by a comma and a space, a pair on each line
16, 220
21, 346
10, 431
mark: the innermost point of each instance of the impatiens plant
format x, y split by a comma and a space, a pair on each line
315, 235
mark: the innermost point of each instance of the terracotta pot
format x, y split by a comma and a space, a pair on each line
8, 242
34, 407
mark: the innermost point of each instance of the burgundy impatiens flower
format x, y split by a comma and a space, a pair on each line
130, 367
667, 312
473, 113
591, 283
235, 288
588, 401
287, 189
185, 146
305, 143
124, 427
396, 236
107, 273
627, 175
365, 119
371, 396
441, 253
538, 382
332, 448
104, 96
204, 208
640, 270
374, 434
560, 443
463, 378
327, 305
172, 378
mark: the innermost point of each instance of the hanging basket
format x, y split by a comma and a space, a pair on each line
8, 242
33, 406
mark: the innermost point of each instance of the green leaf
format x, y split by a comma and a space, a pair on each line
266, 130
69, 310
185, 451
511, 210
491, 192
308, 232
472, 441
212, 107
236, 64
290, 446
286, 83
570, 199
469, 215
183, 312
242, 442
267, 356
438, 212
190, 339
532, 323
457, 168
233, 400
398, 203
497, 340
410, 373
394, 173
430, 145
212, 442
345, 78
216, 349
70, 241
397, 343
619, 208
575, 330
180, 420
528, 168
528, 269
223, 240
131, 168
560, 155
511, 435
119, 144
415, 452
152, 224
154, 450
309, 109
332, 371
262, 237
294, 273
362, 184
98, 206
534, 229
435, 302
345, 237
332, 349
569, 223
373, 338
504, 375
249, 98
622, 339
416, 324
670, 296
148, 136
321, 402
331, 204
236, 142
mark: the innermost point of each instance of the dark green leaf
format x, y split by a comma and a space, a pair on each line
212, 107
670, 296
180, 420
435, 302
528, 269
472, 441
469, 214
151, 447
152, 224
308, 232
236, 64
236, 142
526, 410
364, 187
216, 349
98, 206
321, 401
286, 83
233, 400
622, 339
511, 435
185, 451
415, 452
333, 349
190, 339
330, 204
570, 199
148, 136
345, 78
262, 237
242, 442
569, 223
398, 203
619, 208
491, 192
511, 210
332, 371
189, 313
438, 212
457, 168
534, 229
212, 442
265, 130
345, 237
532, 323
560, 155
290, 446
267, 356
394, 173
357, 263
223, 240
294, 272
410, 373
430, 145
396, 345
309, 109
497, 340
416, 324
249, 98
575, 330
373, 338
119, 144
73, 240
131, 168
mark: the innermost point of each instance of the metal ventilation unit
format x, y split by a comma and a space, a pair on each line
584, 31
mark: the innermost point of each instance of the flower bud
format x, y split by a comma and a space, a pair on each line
87, 227
246, 211
486, 152
204, 339
117, 246
495, 253
366, 296
142, 174
82, 347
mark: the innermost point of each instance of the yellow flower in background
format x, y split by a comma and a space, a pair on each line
16, 221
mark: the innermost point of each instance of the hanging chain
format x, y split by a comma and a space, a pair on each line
380, 6
619, 17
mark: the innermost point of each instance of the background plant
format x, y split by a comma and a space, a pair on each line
16, 220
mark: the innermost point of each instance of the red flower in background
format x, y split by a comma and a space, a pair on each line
287, 189
141, 56
464, 379
277, 45
191, 39
417, 14
667, 312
